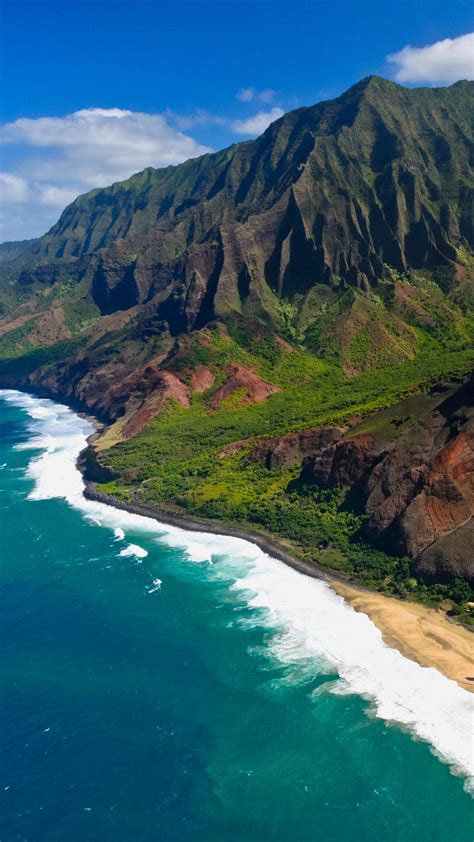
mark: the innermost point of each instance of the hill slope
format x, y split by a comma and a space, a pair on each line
307, 278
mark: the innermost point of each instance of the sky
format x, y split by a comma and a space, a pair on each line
94, 90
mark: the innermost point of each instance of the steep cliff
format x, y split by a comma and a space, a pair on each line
417, 487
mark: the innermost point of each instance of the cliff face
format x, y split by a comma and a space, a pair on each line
418, 489
293, 448
423, 488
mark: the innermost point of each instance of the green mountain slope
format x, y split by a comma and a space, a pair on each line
310, 277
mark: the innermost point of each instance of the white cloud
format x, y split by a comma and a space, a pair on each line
268, 95
13, 188
245, 94
49, 194
249, 94
256, 124
103, 143
442, 62
56, 158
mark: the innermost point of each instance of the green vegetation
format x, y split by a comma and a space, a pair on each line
16, 341
21, 365
359, 348
180, 459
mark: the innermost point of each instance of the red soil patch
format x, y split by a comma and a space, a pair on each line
450, 497
202, 379
8, 326
285, 346
239, 377
167, 386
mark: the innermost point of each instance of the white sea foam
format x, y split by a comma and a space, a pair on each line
157, 583
134, 550
309, 623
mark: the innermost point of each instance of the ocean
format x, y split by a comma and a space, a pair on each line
159, 684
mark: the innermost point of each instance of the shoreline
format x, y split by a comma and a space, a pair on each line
194, 524
420, 633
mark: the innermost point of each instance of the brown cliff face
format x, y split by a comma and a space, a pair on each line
166, 385
423, 488
291, 449
342, 464
418, 489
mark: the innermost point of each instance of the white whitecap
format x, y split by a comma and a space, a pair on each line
157, 583
133, 550
119, 533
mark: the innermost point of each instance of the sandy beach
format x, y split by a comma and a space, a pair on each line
423, 634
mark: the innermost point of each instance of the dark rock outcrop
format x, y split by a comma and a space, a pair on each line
291, 449
342, 464
423, 487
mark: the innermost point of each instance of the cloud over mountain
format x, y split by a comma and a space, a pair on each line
256, 124
443, 62
53, 159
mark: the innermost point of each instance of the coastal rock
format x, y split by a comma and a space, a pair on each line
418, 489
451, 555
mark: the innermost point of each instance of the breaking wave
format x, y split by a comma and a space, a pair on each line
133, 550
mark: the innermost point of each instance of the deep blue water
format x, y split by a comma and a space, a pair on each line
194, 709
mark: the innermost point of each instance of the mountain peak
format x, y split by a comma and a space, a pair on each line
376, 84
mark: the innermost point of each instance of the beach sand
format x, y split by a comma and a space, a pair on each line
423, 634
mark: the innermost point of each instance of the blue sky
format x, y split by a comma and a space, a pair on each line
93, 91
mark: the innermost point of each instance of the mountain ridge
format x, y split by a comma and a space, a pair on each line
363, 86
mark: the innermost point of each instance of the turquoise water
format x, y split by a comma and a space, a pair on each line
160, 685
